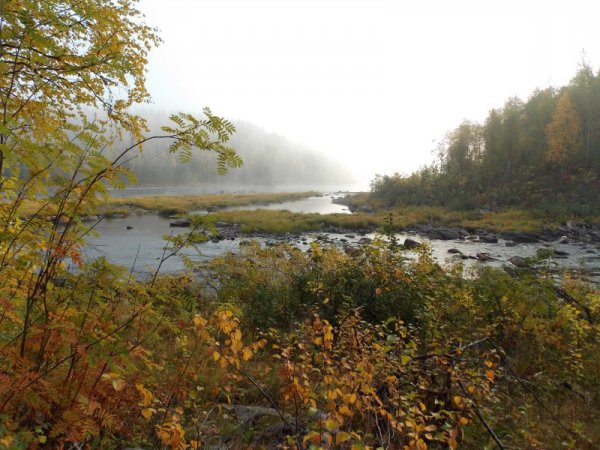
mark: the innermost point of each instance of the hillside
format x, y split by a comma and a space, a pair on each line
269, 159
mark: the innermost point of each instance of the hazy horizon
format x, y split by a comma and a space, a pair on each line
375, 85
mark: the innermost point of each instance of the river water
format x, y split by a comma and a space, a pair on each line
136, 241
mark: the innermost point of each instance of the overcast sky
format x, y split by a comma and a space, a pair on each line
374, 83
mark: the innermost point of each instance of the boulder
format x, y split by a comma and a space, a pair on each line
446, 234
518, 261
411, 244
488, 238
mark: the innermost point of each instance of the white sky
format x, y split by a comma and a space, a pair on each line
370, 82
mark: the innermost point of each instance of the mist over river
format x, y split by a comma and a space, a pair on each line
136, 241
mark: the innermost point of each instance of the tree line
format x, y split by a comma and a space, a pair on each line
542, 153
268, 159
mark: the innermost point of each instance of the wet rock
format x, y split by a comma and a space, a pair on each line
446, 234
488, 238
521, 237
183, 223
454, 251
129, 227
411, 243
484, 257
560, 253
519, 261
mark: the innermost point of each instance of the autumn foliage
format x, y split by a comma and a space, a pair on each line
270, 347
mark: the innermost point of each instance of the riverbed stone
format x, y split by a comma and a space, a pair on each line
488, 238
519, 261
183, 223
411, 243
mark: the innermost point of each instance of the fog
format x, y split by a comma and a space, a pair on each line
372, 83
271, 162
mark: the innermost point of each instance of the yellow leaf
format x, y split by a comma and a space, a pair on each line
199, 322
351, 399
313, 437
331, 424
147, 413
342, 436
378, 291
458, 400
42, 439
490, 375
247, 354
345, 410
216, 356
464, 421
489, 364
236, 341
471, 389
146, 394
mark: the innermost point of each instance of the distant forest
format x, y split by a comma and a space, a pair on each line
269, 159
542, 153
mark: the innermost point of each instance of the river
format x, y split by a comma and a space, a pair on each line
136, 242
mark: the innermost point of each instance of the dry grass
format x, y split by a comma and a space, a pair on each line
188, 203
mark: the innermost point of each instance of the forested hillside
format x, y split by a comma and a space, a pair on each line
269, 159
542, 153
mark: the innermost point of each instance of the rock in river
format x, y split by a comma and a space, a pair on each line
411, 243
181, 223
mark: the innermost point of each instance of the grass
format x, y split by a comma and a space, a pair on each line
280, 221
188, 203
273, 221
